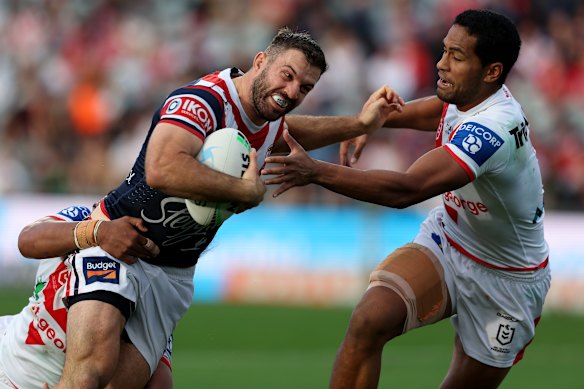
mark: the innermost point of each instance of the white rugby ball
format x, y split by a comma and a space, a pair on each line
225, 150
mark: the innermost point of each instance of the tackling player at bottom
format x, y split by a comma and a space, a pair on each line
33, 342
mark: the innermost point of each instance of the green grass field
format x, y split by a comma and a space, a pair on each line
219, 346
241, 346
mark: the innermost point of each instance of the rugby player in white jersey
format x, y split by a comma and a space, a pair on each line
33, 342
480, 258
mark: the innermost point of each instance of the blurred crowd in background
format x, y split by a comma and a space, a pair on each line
80, 80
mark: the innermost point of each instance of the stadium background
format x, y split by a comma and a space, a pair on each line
80, 81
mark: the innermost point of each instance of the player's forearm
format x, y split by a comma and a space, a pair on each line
383, 187
204, 185
47, 239
182, 176
313, 132
421, 114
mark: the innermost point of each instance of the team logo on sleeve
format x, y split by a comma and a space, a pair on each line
190, 109
477, 141
174, 105
101, 269
472, 144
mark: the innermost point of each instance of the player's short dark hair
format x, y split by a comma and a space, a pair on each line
497, 37
287, 39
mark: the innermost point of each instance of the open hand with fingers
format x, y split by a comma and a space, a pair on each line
376, 110
356, 145
294, 169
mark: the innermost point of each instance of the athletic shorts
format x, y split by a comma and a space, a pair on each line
494, 312
160, 296
167, 353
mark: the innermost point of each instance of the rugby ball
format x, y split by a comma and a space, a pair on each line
225, 150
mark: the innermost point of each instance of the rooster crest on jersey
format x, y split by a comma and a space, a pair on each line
225, 150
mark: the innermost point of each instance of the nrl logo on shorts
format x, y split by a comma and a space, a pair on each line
505, 334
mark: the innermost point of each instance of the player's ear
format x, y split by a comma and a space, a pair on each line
259, 59
493, 72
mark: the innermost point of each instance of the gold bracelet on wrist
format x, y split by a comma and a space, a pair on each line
88, 234
95, 229
83, 239
75, 236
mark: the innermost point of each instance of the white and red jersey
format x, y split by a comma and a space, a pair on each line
33, 342
32, 349
496, 219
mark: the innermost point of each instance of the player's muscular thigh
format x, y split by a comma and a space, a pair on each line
415, 273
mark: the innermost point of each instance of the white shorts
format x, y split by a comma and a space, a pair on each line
494, 312
161, 295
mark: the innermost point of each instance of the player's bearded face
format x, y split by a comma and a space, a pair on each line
262, 95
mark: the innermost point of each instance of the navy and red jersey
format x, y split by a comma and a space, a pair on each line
200, 107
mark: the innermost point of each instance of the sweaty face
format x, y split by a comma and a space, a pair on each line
282, 84
460, 72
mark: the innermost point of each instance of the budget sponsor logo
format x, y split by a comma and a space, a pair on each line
101, 269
